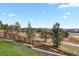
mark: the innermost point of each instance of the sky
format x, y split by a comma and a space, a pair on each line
40, 14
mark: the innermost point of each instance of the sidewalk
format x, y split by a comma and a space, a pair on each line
47, 52
44, 51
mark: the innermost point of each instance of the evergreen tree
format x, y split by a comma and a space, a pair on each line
17, 27
58, 35
44, 34
6, 29
11, 30
1, 25
30, 34
66, 34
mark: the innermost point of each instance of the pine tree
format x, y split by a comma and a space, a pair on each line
17, 27
30, 34
6, 29
58, 35
44, 34
1, 25
11, 29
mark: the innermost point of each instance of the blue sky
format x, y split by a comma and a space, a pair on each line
40, 14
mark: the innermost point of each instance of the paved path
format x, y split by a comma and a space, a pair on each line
69, 43
44, 52
47, 52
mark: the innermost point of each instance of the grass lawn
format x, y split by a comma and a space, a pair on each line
10, 49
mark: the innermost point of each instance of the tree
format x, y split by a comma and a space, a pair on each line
39, 30
30, 34
1, 25
17, 27
6, 29
58, 35
44, 34
66, 34
11, 30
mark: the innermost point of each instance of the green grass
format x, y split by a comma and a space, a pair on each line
10, 49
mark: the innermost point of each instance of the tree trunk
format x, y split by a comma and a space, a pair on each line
45, 40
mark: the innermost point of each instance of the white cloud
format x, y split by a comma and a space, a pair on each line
50, 4
11, 15
68, 13
68, 5
62, 6
65, 16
